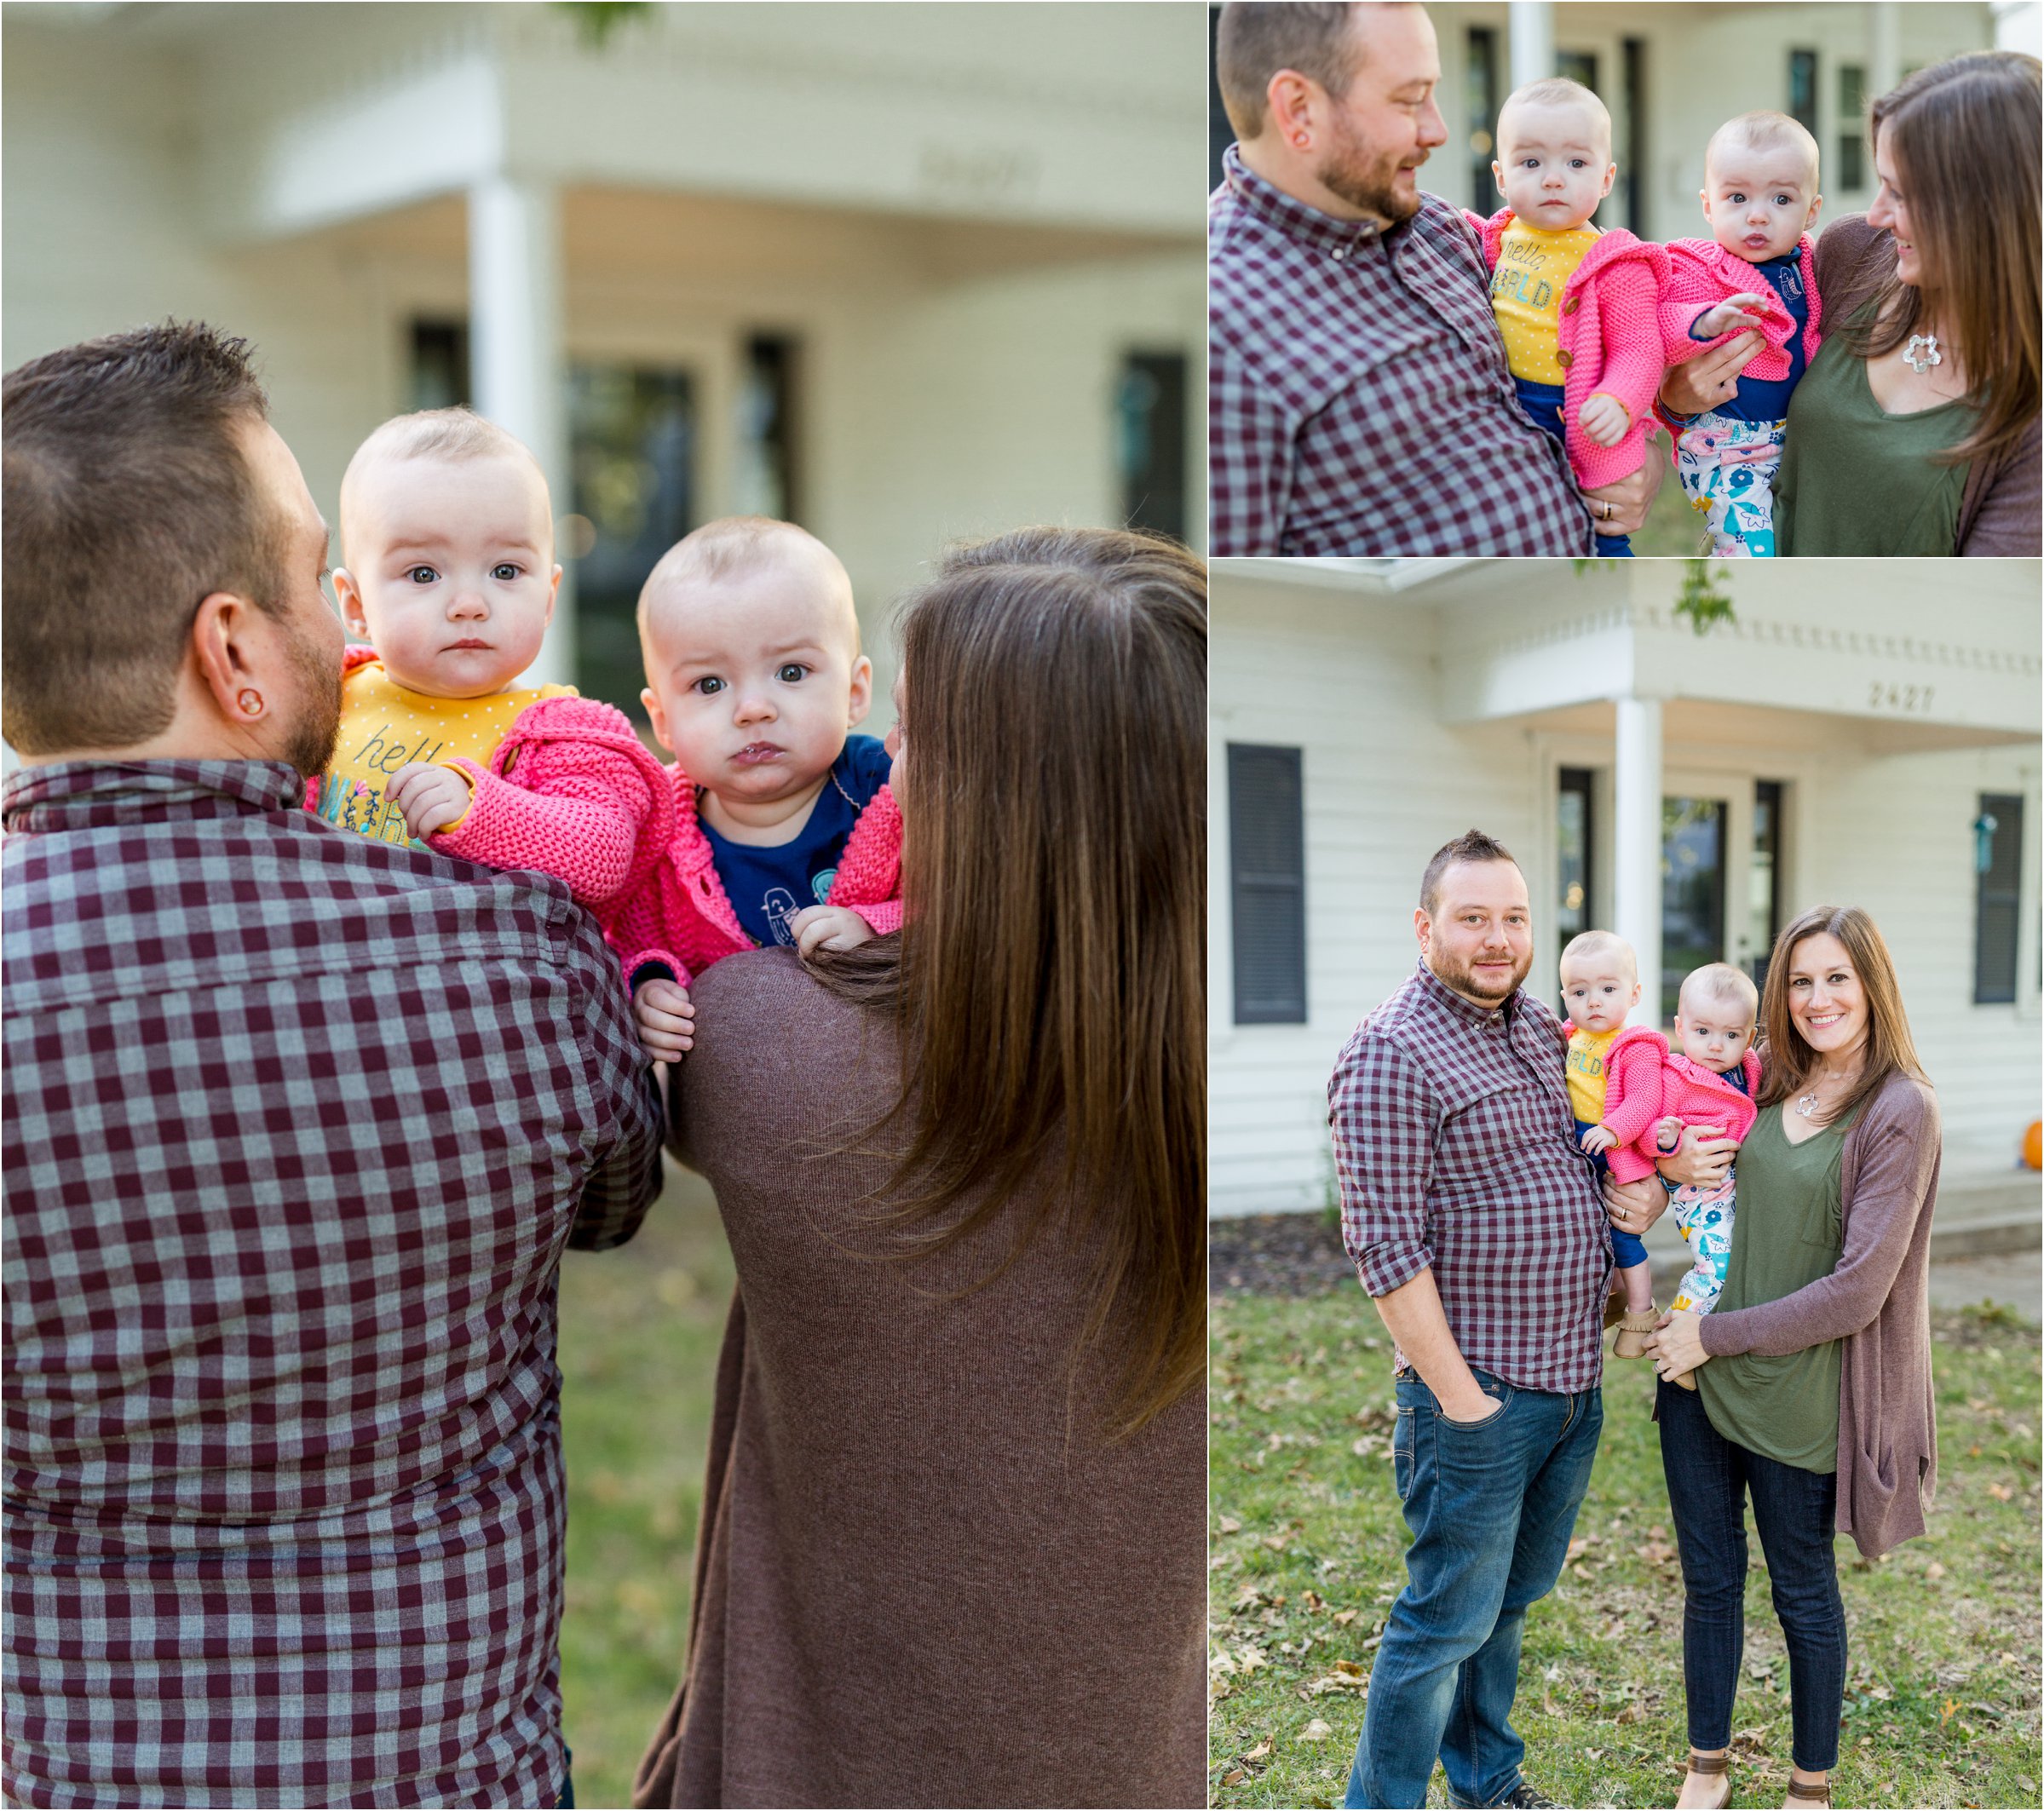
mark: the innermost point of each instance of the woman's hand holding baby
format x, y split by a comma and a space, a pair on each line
1704, 1157
828, 928
1711, 379
1605, 419
1677, 1348
666, 1016
430, 796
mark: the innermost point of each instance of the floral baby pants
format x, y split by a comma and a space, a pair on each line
1727, 468
1704, 1212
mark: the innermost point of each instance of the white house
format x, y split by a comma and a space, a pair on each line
1862, 733
903, 272
1671, 75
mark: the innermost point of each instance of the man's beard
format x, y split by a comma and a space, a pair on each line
317, 725
1463, 979
1364, 178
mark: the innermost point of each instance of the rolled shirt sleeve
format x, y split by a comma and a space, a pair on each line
1385, 1121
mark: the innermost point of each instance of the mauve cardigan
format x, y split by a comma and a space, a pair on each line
1999, 510
1877, 1302
919, 1579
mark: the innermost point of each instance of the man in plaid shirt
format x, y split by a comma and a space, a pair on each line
298, 1128
1358, 396
1474, 1223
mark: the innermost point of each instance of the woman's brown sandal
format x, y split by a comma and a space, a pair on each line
1804, 1792
1717, 1764
1633, 1327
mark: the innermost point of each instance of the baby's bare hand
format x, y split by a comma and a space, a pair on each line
1604, 420
1595, 1138
1727, 317
829, 927
666, 1016
431, 796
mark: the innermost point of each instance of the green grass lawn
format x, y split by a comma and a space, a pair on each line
639, 1329
1307, 1542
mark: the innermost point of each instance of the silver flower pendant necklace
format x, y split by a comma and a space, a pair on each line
1921, 353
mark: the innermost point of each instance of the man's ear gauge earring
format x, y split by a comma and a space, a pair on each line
250, 701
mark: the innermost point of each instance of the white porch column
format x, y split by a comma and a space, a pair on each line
516, 353
1884, 49
1532, 41
1635, 845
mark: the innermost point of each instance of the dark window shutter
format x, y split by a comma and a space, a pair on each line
1267, 848
1999, 860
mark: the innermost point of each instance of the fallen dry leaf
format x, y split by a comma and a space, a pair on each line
1229, 1524
1354, 1668
1257, 1753
1656, 1553
1316, 1731
2000, 1492
1345, 1616
1933, 1570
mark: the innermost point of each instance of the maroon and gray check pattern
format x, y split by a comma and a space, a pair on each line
1455, 1149
298, 1127
1358, 399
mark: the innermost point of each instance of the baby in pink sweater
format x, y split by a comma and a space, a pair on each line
1710, 1080
447, 540
785, 827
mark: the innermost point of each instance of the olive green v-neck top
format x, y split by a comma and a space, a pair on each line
1856, 480
1787, 1234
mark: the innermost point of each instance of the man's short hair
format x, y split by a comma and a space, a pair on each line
1593, 945
1557, 91
1256, 38
452, 434
1472, 845
128, 501
1766, 131
1724, 985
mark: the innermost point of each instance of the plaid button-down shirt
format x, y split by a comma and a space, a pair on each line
1358, 399
1455, 1149
298, 1127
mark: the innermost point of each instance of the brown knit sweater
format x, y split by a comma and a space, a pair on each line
1877, 1301
919, 1579
1999, 510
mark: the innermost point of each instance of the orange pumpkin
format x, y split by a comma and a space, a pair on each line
2033, 1145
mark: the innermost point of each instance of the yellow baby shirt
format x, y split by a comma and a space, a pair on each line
1586, 1051
1533, 268
385, 727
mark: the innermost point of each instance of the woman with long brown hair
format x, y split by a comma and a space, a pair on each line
953, 1549
1915, 429
1813, 1370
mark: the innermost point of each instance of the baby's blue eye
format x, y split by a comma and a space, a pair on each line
791, 673
505, 571
422, 575
709, 686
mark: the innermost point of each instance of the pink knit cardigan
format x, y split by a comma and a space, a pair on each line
1702, 274
680, 914
1700, 1096
1609, 339
1633, 1098
571, 790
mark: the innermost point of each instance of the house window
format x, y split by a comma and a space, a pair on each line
1630, 179
1267, 853
1575, 856
764, 481
1851, 171
1219, 134
1579, 65
1998, 860
1802, 90
1480, 89
632, 433
440, 364
1764, 878
1692, 892
1150, 423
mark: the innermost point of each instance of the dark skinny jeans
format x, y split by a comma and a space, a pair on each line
1709, 1479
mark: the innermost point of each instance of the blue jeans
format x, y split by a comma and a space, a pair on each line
1542, 403
1491, 1505
1709, 1479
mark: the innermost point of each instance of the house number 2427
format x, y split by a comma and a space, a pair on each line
1880, 697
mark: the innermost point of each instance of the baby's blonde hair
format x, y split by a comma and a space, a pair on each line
454, 435
1765, 132
1557, 91
1719, 981
1588, 945
733, 546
